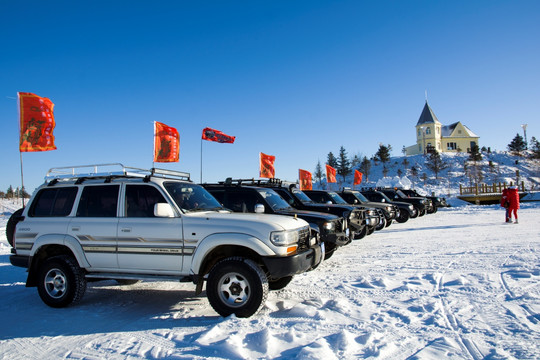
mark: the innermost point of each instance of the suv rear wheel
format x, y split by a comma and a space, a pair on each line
61, 281
237, 286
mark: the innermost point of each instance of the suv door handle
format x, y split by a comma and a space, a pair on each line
126, 230
75, 228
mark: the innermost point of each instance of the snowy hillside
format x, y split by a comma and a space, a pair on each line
495, 167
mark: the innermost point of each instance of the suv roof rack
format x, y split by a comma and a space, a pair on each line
256, 182
108, 171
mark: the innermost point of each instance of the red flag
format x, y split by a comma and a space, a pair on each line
36, 123
266, 164
166, 143
357, 177
217, 136
305, 180
330, 174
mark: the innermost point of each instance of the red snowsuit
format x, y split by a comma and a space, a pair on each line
511, 196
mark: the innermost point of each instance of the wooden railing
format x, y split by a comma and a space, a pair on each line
486, 189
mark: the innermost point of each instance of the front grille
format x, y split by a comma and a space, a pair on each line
303, 238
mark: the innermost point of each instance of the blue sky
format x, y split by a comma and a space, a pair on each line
294, 79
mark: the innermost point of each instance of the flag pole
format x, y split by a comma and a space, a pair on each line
201, 161
20, 152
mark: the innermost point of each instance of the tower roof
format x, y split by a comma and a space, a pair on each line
427, 116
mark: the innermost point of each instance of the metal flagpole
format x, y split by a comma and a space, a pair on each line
20, 152
201, 160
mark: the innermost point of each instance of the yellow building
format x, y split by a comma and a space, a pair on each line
431, 135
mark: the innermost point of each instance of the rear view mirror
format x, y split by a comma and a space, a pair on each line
259, 208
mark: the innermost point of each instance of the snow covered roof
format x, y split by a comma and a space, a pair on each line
447, 130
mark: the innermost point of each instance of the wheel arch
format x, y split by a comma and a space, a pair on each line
53, 245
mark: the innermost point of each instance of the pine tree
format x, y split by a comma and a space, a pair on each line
535, 148
331, 160
517, 145
10, 193
365, 167
343, 164
383, 154
319, 175
475, 154
435, 163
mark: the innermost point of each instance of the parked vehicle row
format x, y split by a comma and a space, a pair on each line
240, 238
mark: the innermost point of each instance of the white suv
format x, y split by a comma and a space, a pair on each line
131, 224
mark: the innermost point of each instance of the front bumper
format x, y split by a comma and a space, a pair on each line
281, 266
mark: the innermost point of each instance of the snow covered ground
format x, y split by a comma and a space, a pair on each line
458, 284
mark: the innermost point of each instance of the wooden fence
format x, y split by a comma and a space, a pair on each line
478, 189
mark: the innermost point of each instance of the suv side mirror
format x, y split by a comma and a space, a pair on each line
355, 201
163, 210
259, 209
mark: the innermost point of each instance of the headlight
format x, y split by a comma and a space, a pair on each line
284, 238
388, 208
411, 207
329, 226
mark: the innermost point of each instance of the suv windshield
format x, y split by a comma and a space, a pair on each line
275, 201
301, 196
359, 196
191, 197
337, 199
401, 194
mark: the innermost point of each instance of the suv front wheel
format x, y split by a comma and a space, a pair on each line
61, 281
236, 286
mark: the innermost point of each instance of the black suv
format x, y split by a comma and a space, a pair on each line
355, 218
437, 201
355, 197
252, 199
375, 218
406, 211
422, 204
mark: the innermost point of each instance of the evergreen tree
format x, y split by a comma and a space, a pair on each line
383, 154
10, 192
399, 172
517, 145
405, 163
356, 161
319, 175
475, 154
414, 171
435, 163
365, 167
535, 148
384, 170
331, 160
343, 164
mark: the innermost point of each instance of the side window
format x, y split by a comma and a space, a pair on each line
140, 200
241, 201
98, 201
286, 196
53, 202
318, 198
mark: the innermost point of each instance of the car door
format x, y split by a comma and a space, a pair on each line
95, 224
144, 240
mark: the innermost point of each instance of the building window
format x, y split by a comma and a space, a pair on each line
451, 146
428, 131
459, 131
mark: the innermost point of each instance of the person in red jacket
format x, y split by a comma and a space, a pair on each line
510, 200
